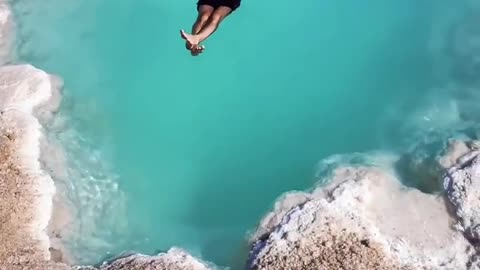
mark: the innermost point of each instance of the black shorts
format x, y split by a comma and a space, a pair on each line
233, 4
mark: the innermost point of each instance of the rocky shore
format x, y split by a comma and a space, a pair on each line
25, 189
366, 219
363, 219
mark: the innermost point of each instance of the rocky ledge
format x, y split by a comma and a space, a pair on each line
366, 219
174, 259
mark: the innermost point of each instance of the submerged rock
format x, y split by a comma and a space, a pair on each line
365, 220
174, 259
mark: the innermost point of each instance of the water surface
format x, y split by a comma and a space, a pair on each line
165, 149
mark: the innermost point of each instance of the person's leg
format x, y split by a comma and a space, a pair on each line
209, 28
204, 13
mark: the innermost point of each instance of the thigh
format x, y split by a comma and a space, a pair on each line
205, 10
221, 12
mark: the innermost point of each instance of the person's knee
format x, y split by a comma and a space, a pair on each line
204, 17
216, 18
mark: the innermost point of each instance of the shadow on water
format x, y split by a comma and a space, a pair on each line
420, 169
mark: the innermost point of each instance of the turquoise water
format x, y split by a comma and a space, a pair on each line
164, 149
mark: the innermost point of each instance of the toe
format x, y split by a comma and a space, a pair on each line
183, 34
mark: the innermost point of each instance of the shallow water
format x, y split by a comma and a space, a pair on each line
165, 149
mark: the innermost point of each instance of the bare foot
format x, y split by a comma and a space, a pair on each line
194, 48
197, 49
194, 53
192, 43
192, 40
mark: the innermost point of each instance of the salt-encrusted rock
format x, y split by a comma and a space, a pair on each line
368, 220
462, 185
174, 259
281, 208
26, 190
6, 32
456, 150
